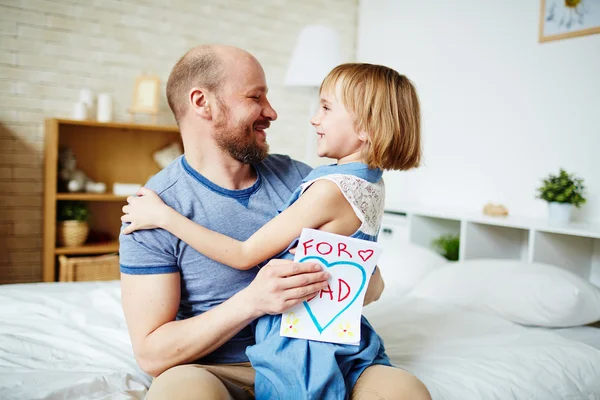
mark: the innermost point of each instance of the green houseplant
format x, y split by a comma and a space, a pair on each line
447, 245
72, 229
562, 192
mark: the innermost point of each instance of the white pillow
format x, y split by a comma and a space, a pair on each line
526, 293
404, 265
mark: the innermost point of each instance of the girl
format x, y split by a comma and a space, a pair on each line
369, 121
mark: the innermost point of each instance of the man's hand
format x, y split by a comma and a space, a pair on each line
281, 284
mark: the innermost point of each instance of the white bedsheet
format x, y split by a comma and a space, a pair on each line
584, 334
67, 341
462, 355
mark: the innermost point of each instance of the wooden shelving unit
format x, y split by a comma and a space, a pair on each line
106, 152
91, 197
93, 248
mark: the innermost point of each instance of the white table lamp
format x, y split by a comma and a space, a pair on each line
317, 51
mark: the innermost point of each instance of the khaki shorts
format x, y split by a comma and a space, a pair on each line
236, 381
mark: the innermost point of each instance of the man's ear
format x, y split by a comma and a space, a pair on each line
200, 103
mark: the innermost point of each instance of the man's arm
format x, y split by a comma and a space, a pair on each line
150, 304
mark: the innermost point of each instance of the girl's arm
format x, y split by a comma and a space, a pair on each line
320, 205
375, 288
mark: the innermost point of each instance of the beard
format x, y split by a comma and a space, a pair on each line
238, 140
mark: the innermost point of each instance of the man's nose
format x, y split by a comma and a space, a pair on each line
269, 112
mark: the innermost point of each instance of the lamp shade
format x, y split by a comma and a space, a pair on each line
316, 53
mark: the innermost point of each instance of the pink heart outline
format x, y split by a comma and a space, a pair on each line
361, 252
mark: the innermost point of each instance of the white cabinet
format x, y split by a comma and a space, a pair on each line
480, 240
575, 246
423, 229
394, 229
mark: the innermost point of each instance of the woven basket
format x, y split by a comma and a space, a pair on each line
95, 268
72, 233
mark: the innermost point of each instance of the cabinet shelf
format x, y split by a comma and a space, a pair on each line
91, 197
91, 248
574, 246
109, 153
117, 125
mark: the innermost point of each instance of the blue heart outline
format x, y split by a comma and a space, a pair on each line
327, 265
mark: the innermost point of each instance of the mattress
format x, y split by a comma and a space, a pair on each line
66, 341
460, 354
69, 340
583, 334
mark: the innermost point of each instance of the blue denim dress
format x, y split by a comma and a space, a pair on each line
290, 368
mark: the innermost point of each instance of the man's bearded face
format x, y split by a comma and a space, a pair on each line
239, 136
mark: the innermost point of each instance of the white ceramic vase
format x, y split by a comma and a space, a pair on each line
80, 111
559, 213
105, 110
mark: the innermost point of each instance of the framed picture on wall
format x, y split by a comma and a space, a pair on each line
145, 96
560, 19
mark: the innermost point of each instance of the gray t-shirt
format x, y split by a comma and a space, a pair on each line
236, 213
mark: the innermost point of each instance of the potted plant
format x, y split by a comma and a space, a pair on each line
72, 229
447, 245
562, 192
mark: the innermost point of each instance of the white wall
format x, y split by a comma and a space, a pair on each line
500, 110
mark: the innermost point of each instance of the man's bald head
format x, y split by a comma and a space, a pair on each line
203, 66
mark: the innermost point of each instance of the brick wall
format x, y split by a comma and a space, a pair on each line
50, 50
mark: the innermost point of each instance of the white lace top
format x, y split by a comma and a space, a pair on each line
366, 198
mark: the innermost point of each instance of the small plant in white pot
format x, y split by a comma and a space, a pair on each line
562, 192
72, 229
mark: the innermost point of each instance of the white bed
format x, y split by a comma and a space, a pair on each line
460, 354
66, 341
69, 340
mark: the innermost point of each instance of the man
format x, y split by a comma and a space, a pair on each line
187, 315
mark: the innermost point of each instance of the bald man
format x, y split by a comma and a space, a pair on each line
188, 316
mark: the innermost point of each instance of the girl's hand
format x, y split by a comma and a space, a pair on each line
144, 211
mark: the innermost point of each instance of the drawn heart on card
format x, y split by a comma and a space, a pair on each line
365, 254
324, 324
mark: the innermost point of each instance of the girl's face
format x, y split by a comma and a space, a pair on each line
336, 134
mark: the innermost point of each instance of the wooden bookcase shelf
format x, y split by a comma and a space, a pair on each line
93, 248
91, 197
106, 152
